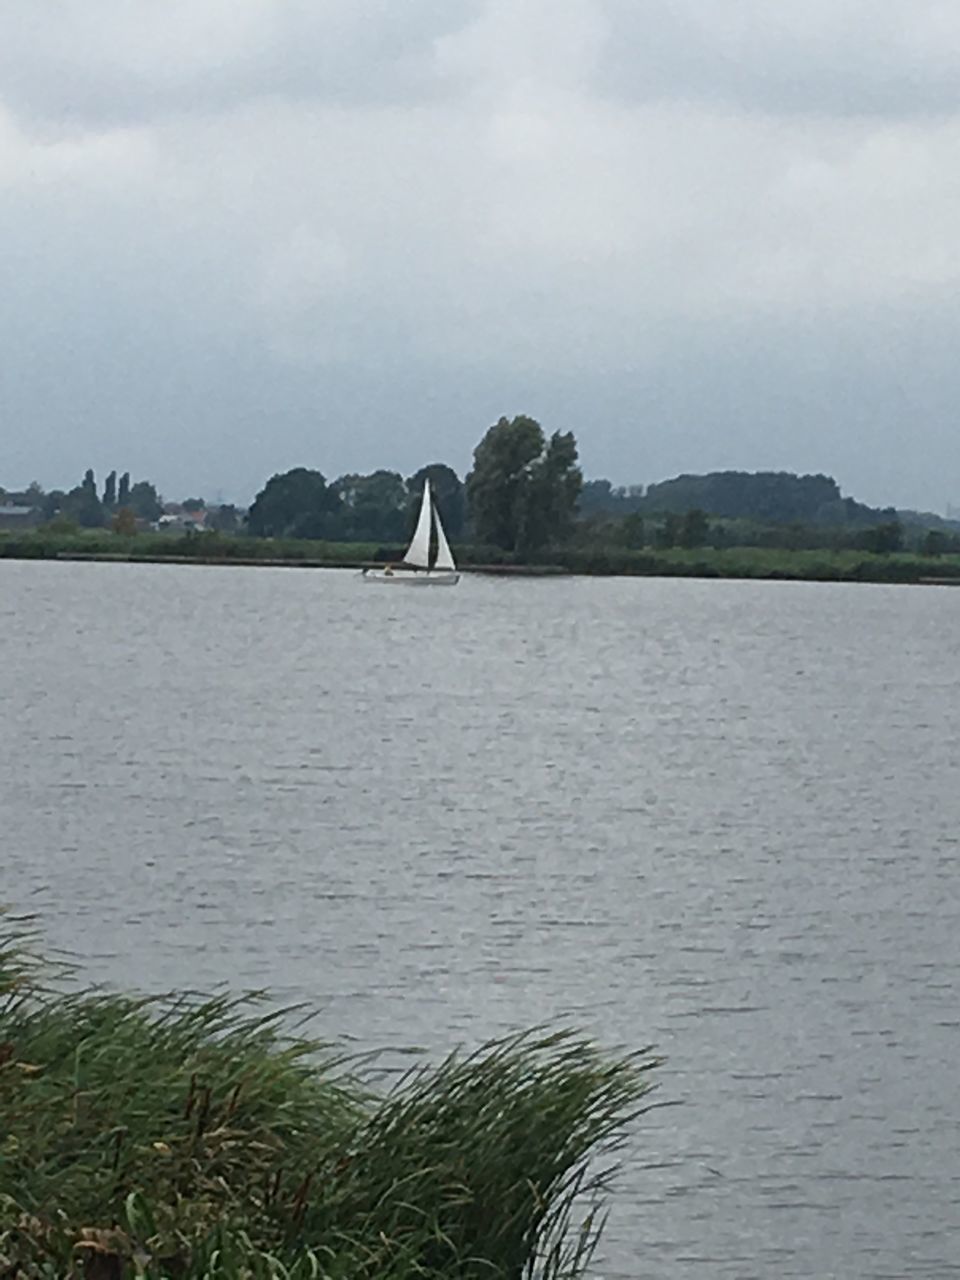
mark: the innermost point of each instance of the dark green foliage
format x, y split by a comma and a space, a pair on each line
52, 503
552, 494
110, 491
372, 507
764, 495
448, 494
295, 504
191, 1137
123, 492
193, 504
497, 485
523, 491
144, 501
82, 505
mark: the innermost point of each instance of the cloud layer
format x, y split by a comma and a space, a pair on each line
239, 236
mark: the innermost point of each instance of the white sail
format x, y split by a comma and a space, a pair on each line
444, 554
418, 552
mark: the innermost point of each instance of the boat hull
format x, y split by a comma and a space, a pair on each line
412, 577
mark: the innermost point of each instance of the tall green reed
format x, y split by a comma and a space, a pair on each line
194, 1137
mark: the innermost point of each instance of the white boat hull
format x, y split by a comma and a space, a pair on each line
412, 577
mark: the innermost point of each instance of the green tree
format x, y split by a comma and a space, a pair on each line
52, 503
110, 491
694, 529
296, 503
373, 507
522, 491
448, 494
193, 504
497, 486
144, 501
554, 489
123, 492
82, 505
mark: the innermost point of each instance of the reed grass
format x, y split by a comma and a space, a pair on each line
193, 1137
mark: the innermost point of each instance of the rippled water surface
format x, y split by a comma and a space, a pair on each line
723, 817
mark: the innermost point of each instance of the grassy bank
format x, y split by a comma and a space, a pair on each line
703, 562
208, 547
191, 1138
761, 562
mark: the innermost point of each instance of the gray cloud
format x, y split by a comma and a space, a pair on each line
109, 62
242, 234
899, 58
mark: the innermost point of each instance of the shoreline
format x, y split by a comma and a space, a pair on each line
730, 563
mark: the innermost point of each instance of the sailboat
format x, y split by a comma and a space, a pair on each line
415, 569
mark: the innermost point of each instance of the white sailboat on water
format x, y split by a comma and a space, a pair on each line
415, 569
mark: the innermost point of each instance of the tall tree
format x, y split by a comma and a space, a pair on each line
123, 492
110, 490
552, 493
296, 503
522, 492
82, 503
448, 494
497, 485
144, 501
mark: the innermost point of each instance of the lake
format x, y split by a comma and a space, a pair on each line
722, 817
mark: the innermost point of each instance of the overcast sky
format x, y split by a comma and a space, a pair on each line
242, 235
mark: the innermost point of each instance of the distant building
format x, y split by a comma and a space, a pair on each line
180, 521
12, 517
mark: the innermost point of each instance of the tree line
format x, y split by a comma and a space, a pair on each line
83, 505
520, 496
525, 493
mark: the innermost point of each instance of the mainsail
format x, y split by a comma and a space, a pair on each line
418, 552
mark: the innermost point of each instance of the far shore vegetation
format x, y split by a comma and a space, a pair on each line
524, 506
191, 1138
